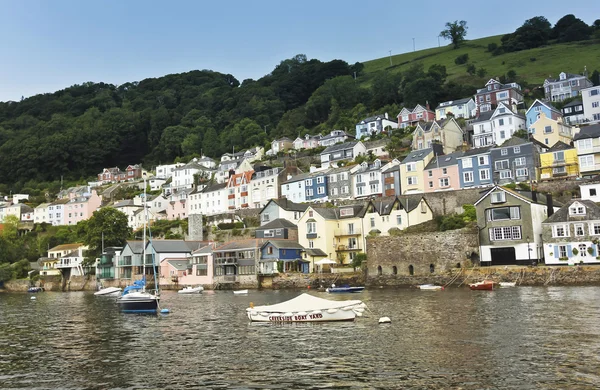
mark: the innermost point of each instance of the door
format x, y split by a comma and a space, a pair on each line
503, 256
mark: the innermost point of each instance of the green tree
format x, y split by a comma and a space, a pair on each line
471, 69
456, 32
108, 223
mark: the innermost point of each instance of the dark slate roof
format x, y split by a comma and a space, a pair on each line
179, 265
278, 223
176, 246
592, 212
451, 103
375, 117
444, 160
573, 103
426, 126
345, 145
136, 246
541, 197
391, 169
126, 203
560, 146
341, 134
541, 146
409, 203
315, 252
288, 205
417, 155
334, 212
569, 76
284, 244
240, 244
214, 187
513, 141
484, 117
204, 250
476, 151
592, 131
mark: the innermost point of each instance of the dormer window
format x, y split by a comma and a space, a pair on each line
577, 210
498, 197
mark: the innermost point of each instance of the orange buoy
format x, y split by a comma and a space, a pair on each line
308, 287
251, 305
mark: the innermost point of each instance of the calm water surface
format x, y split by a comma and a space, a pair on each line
519, 338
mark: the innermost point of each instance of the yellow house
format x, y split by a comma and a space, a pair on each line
48, 267
559, 162
49, 264
384, 214
338, 232
413, 167
549, 131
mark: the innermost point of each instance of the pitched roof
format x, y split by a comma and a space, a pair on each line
476, 151
179, 265
417, 155
315, 252
592, 212
483, 117
451, 103
549, 106
137, 247
514, 141
444, 160
592, 131
288, 205
215, 187
560, 146
176, 246
240, 244
358, 210
375, 117
527, 196
345, 145
207, 249
279, 223
573, 103
284, 244
65, 247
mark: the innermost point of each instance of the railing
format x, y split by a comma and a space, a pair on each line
69, 264
347, 232
594, 167
341, 248
123, 263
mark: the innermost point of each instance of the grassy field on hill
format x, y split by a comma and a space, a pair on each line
532, 65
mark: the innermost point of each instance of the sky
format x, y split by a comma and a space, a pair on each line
48, 45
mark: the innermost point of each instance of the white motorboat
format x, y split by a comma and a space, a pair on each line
307, 308
191, 290
109, 291
240, 292
430, 287
507, 284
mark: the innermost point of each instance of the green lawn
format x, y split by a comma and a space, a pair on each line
548, 60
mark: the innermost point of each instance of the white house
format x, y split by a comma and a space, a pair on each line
308, 142
591, 103
183, 177
265, 185
342, 152
56, 212
367, 179
282, 208
495, 127
166, 171
590, 190
209, 201
374, 125
40, 213
294, 188
156, 183
462, 108
335, 137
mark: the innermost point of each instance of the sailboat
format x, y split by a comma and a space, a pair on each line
135, 298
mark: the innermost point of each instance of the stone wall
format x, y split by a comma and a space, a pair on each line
51, 283
315, 281
20, 285
448, 202
392, 258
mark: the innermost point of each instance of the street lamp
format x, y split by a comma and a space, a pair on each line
529, 251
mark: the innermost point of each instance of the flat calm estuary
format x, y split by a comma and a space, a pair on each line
516, 338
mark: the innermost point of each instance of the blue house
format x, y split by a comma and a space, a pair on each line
475, 168
538, 107
315, 186
286, 251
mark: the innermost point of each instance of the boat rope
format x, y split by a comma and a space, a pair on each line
454, 278
467, 278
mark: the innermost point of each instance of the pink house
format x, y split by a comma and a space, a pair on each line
134, 172
111, 175
177, 207
81, 208
408, 117
441, 174
201, 270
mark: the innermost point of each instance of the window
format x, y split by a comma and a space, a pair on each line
595, 104
502, 164
320, 179
498, 197
430, 173
345, 190
309, 182
504, 152
309, 192
594, 92
583, 250
579, 229
520, 161
484, 174
517, 149
521, 172
560, 231
269, 250
444, 171
562, 251
503, 213
311, 227
586, 161
505, 174
360, 191
445, 182
559, 156
467, 163
502, 95
547, 129
502, 134
320, 190
430, 184
468, 177
411, 167
483, 160
592, 192
584, 144
500, 122
577, 210
505, 233
359, 178
334, 191
398, 219
332, 178
311, 244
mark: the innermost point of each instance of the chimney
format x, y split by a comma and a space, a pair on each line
534, 196
231, 172
549, 204
386, 116
427, 105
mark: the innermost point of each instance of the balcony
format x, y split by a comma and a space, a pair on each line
225, 260
68, 263
311, 235
347, 232
343, 248
589, 168
125, 263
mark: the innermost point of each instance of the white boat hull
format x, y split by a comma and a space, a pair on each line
320, 316
430, 287
108, 291
191, 290
508, 284
241, 292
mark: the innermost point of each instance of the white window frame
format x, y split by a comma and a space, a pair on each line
412, 180
484, 174
579, 230
467, 162
559, 231
468, 177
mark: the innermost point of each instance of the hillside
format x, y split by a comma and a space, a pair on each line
549, 60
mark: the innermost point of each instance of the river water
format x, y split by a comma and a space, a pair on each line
517, 338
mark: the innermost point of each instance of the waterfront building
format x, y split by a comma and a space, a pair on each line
587, 143
129, 261
236, 263
200, 269
385, 214
279, 229
510, 224
571, 234
288, 253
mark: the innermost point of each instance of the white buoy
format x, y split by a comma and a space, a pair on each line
165, 311
385, 320
33, 298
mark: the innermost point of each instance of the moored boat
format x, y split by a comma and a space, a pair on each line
430, 287
240, 292
344, 289
191, 290
483, 285
35, 289
307, 308
507, 284
108, 291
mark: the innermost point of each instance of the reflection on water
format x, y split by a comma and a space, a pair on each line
519, 338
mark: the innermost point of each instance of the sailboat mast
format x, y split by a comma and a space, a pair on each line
144, 233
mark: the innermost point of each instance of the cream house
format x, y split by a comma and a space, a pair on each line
384, 214
413, 167
550, 131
